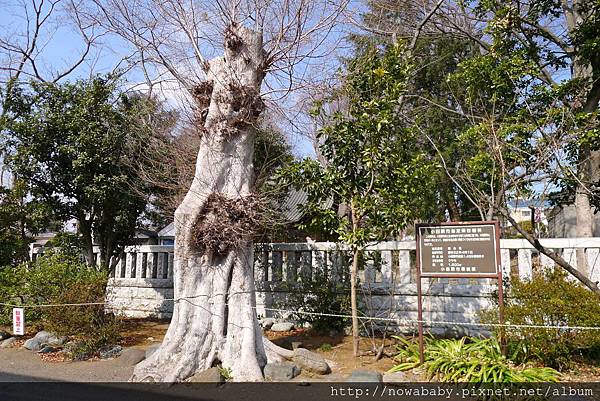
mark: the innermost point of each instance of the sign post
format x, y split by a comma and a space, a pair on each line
18, 321
458, 250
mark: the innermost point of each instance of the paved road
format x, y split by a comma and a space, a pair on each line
24, 377
23, 365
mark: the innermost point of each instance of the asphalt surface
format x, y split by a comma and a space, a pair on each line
18, 364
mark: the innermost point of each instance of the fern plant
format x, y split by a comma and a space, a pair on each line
467, 360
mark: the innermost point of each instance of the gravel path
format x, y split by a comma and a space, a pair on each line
21, 364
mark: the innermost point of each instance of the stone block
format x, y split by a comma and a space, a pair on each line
364, 376
281, 371
310, 361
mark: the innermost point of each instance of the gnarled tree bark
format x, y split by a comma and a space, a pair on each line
214, 320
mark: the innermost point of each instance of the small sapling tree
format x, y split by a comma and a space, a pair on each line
373, 162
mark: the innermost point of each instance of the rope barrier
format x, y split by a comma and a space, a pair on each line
400, 322
51, 305
444, 323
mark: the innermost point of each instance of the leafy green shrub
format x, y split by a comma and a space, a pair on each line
550, 299
59, 278
319, 295
13, 290
325, 347
467, 360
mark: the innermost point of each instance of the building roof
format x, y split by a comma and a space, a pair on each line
527, 203
43, 238
167, 231
291, 205
145, 233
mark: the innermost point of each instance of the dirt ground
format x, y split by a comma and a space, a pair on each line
17, 362
336, 350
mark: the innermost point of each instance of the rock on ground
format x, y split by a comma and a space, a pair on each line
43, 338
396, 377
110, 351
48, 349
33, 344
72, 346
310, 361
212, 375
131, 357
281, 371
364, 376
267, 323
8, 342
283, 326
4, 335
55, 341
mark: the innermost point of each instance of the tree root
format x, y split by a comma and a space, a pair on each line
275, 353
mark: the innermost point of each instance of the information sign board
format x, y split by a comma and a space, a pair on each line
458, 250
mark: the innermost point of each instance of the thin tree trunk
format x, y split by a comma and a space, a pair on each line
353, 302
88, 243
353, 279
105, 250
214, 320
453, 210
583, 207
108, 250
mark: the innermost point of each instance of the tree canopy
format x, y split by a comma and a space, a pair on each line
70, 144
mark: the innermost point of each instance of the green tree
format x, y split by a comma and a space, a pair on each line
431, 102
20, 218
69, 144
535, 127
373, 161
526, 95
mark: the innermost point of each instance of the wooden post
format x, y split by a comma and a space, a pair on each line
420, 313
440, 267
499, 265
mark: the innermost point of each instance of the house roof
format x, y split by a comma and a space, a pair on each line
145, 233
167, 231
291, 205
527, 203
43, 238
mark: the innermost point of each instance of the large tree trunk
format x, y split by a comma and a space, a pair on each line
583, 207
588, 169
214, 319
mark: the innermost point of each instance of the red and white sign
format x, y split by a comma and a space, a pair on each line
18, 321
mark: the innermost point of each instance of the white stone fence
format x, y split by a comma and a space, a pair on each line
142, 286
